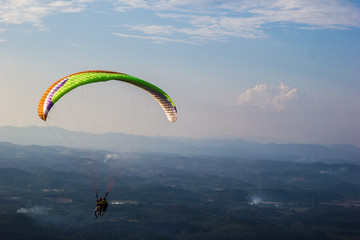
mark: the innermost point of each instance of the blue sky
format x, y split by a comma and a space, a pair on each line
270, 69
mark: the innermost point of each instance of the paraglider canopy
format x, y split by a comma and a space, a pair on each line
68, 83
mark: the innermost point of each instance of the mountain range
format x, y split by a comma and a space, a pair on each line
227, 148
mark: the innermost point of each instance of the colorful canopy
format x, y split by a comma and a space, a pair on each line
68, 83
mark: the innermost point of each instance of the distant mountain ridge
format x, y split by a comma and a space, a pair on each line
229, 148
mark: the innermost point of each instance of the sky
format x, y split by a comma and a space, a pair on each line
269, 70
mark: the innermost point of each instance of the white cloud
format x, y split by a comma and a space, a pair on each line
154, 39
124, 5
320, 13
34, 11
153, 29
220, 20
190, 21
324, 13
269, 97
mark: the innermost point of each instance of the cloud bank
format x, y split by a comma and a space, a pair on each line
204, 20
276, 98
34, 11
196, 21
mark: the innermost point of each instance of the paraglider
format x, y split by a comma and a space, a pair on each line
101, 205
66, 84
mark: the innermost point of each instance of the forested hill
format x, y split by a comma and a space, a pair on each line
47, 193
